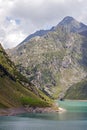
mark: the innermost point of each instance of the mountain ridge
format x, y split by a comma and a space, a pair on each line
37, 33
67, 20
55, 61
73, 25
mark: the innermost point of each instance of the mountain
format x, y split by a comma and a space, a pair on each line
68, 22
15, 90
56, 61
73, 25
37, 33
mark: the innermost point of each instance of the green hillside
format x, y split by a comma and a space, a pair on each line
15, 90
77, 91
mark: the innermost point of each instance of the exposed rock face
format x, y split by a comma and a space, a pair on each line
55, 61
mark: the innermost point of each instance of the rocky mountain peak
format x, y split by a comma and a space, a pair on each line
67, 20
72, 25
68, 23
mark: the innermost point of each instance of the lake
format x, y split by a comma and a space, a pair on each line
74, 118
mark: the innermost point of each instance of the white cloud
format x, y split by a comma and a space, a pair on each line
13, 38
19, 18
80, 0
11, 34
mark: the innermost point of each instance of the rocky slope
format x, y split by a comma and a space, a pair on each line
15, 90
55, 61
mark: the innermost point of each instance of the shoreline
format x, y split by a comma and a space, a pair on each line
62, 110
75, 100
27, 109
21, 110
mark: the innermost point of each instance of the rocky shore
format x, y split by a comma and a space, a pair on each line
15, 111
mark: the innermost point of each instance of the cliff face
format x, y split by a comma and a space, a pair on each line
55, 61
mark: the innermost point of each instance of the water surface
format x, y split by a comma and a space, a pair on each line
75, 118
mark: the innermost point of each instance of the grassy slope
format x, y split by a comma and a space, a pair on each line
77, 91
12, 92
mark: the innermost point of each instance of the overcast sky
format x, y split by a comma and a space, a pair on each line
19, 18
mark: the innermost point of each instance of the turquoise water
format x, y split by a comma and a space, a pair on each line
73, 106
74, 118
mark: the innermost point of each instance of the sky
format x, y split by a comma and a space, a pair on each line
20, 18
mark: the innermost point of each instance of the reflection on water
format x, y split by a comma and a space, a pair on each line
69, 120
58, 116
20, 123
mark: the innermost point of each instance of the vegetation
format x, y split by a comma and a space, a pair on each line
15, 89
56, 60
77, 91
